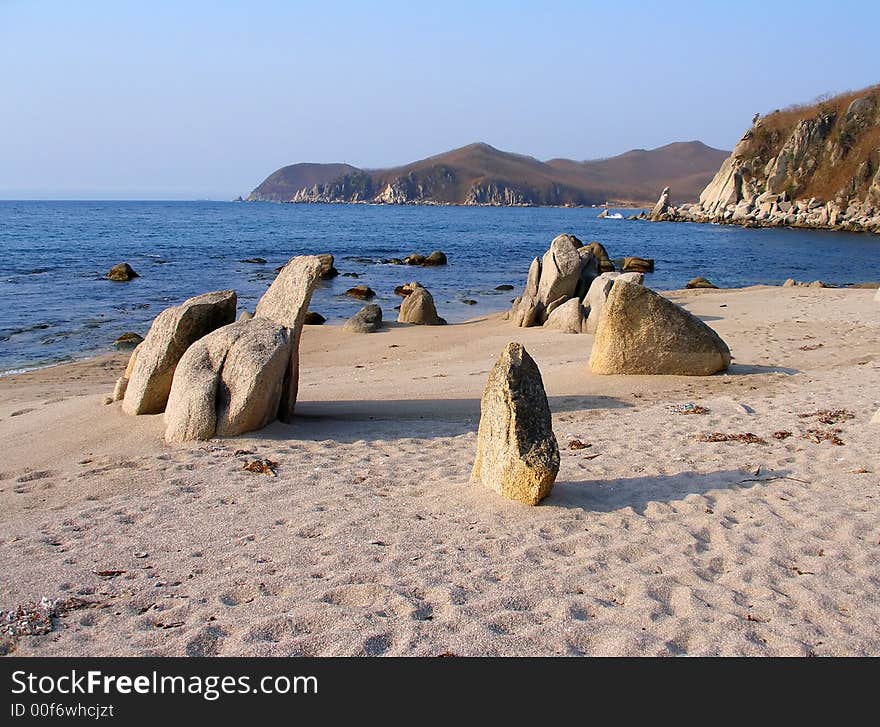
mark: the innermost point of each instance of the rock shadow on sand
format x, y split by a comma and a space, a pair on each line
610, 495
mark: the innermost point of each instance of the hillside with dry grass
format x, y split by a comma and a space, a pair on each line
479, 174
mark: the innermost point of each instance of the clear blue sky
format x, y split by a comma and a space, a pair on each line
193, 99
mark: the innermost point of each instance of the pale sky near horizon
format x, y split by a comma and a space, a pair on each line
197, 99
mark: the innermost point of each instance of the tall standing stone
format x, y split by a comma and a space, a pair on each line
517, 453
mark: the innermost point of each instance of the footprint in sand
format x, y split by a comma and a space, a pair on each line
20, 412
206, 642
36, 475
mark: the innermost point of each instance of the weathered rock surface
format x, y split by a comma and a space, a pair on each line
418, 308
287, 299
568, 317
700, 282
367, 320
173, 331
560, 269
122, 381
229, 382
121, 273
245, 315
517, 453
662, 206
641, 332
598, 294
637, 265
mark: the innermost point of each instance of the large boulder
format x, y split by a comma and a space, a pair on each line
560, 269
172, 333
601, 254
367, 320
568, 317
418, 308
517, 452
286, 302
229, 382
598, 294
328, 270
641, 332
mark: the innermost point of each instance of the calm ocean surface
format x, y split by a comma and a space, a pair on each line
58, 306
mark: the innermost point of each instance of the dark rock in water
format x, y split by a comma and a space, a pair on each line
700, 282
517, 452
405, 290
637, 265
414, 259
393, 261
313, 319
362, 292
254, 261
469, 301
327, 269
367, 320
504, 287
122, 273
128, 340
435, 258
351, 275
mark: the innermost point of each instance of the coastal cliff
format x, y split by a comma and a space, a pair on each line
815, 166
480, 175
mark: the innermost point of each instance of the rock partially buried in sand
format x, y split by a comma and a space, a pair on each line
122, 381
517, 452
172, 333
700, 282
418, 308
244, 375
367, 320
229, 382
641, 332
122, 273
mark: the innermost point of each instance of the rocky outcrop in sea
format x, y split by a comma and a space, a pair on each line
814, 167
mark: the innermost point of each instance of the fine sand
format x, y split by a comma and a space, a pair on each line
371, 540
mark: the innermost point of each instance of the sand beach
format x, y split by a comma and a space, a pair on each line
371, 540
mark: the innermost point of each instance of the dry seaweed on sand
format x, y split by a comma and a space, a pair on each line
689, 408
814, 347
829, 416
578, 444
781, 434
266, 467
746, 438
824, 435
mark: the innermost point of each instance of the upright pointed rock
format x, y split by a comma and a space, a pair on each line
517, 453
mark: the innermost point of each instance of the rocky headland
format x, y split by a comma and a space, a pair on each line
813, 166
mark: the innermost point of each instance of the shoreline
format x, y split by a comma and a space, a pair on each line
372, 540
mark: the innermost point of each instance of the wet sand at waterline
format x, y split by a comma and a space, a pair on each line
371, 539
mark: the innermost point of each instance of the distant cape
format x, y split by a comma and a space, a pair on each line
479, 174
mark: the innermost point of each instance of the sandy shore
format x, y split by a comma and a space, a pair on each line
371, 540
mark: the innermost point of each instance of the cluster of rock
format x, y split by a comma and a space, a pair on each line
781, 173
792, 283
213, 376
567, 288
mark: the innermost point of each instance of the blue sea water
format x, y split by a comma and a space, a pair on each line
57, 305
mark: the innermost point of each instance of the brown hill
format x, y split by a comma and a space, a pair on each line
479, 174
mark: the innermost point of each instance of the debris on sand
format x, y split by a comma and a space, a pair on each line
781, 434
689, 408
830, 416
261, 467
824, 435
36, 619
814, 347
746, 438
578, 444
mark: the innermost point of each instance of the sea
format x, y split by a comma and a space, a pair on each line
58, 306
